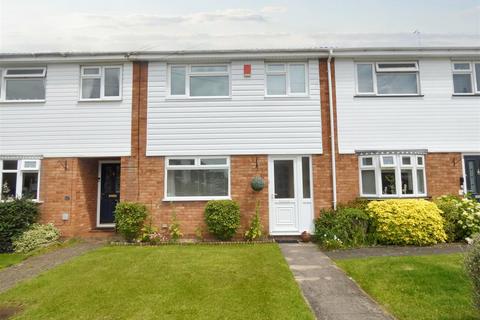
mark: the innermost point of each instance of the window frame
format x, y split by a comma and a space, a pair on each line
4, 77
473, 77
377, 166
286, 72
19, 171
189, 73
375, 70
196, 166
102, 82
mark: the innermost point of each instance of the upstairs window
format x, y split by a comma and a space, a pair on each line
100, 83
197, 178
199, 81
392, 175
19, 178
387, 78
23, 84
466, 77
284, 79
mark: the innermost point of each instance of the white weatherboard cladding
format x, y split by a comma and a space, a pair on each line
437, 121
246, 123
64, 127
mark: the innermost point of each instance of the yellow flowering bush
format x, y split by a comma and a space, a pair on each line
407, 222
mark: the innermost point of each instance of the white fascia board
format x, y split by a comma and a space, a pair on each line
407, 52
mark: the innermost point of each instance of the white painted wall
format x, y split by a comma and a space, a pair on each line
64, 127
246, 123
437, 121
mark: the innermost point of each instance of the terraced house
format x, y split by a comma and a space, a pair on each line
81, 131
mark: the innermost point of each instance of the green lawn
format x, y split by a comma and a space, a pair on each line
416, 288
166, 282
8, 259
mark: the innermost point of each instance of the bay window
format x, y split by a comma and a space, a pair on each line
100, 83
466, 77
23, 84
199, 80
197, 178
392, 175
19, 178
387, 78
284, 79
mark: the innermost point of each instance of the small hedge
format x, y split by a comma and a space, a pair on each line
472, 265
129, 219
39, 235
16, 216
407, 222
222, 218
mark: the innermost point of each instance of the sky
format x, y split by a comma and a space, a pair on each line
149, 25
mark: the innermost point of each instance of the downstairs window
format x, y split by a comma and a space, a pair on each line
197, 178
19, 178
392, 175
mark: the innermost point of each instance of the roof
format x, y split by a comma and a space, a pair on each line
291, 53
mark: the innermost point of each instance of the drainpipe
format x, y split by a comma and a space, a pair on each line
332, 131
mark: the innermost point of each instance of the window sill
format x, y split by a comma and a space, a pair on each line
100, 100
301, 96
22, 101
184, 98
388, 96
366, 197
176, 199
466, 95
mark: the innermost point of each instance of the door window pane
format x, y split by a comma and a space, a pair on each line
284, 177
203, 86
30, 185
472, 176
397, 83
365, 78
306, 177
177, 77
276, 85
112, 82
420, 181
197, 183
90, 88
407, 181
368, 182
25, 89
9, 185
462, 83
297, 78
388, 182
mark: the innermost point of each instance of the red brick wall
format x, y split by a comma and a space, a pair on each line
443, 171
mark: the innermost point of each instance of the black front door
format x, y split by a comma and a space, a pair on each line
472, 174
109, 192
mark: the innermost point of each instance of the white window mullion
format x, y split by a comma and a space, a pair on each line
18, 189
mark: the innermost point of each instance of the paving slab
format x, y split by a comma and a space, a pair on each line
331, 294
33, 266
394, 251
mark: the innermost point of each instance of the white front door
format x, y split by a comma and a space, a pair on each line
291, 206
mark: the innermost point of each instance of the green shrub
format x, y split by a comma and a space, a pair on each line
129, 219
222, 218
407, 222
358, 203
39, 235
472, 265
16, 216
346, 227
450, 213
174, 229
255, 230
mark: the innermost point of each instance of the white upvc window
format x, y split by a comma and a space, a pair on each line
466, 77
23, 84
19, 178
387, 78
199, 81
197, 178
286, 79
100, 83
389, 176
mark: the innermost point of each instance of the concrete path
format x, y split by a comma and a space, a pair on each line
330, 293
392, 251
33, 266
